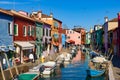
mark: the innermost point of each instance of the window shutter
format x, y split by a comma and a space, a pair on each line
15, 29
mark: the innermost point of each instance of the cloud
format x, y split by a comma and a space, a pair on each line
8, 2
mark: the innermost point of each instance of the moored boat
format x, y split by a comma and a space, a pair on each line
95, 73
49, 68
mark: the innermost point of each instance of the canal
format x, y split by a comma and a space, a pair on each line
76, 70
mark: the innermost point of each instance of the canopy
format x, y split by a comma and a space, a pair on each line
71, 41
25, 45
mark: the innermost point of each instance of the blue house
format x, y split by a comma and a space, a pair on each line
6, 34
63, 40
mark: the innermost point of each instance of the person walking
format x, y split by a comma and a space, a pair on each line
4, 64
31, 57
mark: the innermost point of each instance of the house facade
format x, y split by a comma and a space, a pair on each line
73, 37
24, 34
39, 38
108, 28
55, 26
6, 37
82, 32
88, 39
118, 40
46, 38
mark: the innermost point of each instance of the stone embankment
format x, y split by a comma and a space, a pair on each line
22, 68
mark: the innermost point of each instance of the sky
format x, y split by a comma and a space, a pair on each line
84, 13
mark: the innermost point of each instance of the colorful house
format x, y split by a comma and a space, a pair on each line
24, 34
46, 38
73, 37
64, 38
118, 40
39, 36
88, 39
6, 35
83, 33
108, 28
56, 25
115, 38
96, 37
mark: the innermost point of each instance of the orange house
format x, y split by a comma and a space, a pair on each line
56, 26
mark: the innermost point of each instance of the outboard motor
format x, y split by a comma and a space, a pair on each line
42, 68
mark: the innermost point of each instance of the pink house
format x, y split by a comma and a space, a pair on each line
73, 37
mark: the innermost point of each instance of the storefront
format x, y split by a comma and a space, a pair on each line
23, 50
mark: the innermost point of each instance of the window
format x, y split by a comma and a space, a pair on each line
16, 29
49, 32
46, 32
43, 32
10, 31
29, 30
32, 31
68, 37
78, 37
24, 31
56, 24
67, 32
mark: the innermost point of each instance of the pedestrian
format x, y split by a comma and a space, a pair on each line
31, 57
4, 64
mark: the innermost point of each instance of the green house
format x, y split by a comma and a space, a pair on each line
39, 35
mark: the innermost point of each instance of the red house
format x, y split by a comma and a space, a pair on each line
24, 34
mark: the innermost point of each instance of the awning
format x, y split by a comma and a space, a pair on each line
4, 48
71, 41
25, 45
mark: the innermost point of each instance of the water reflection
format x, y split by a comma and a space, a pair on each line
76, 70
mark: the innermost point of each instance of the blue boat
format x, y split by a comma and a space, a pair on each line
95, 73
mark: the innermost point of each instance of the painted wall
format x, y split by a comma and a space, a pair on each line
6, 38
47, 32
63, 39
73, 35
39, 34
88, 37
115, 41
83, 36
24, 22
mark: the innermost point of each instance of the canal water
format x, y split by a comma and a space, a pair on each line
74, 71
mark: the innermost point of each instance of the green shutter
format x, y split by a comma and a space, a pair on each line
15, 29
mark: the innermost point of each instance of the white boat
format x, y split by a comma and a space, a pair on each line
99, 59
67, 58
49, 68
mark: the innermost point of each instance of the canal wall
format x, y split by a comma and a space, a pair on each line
111, 74
21, 69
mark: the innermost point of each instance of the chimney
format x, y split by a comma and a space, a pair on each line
119, 19
106, 19
39, 14
51, 14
